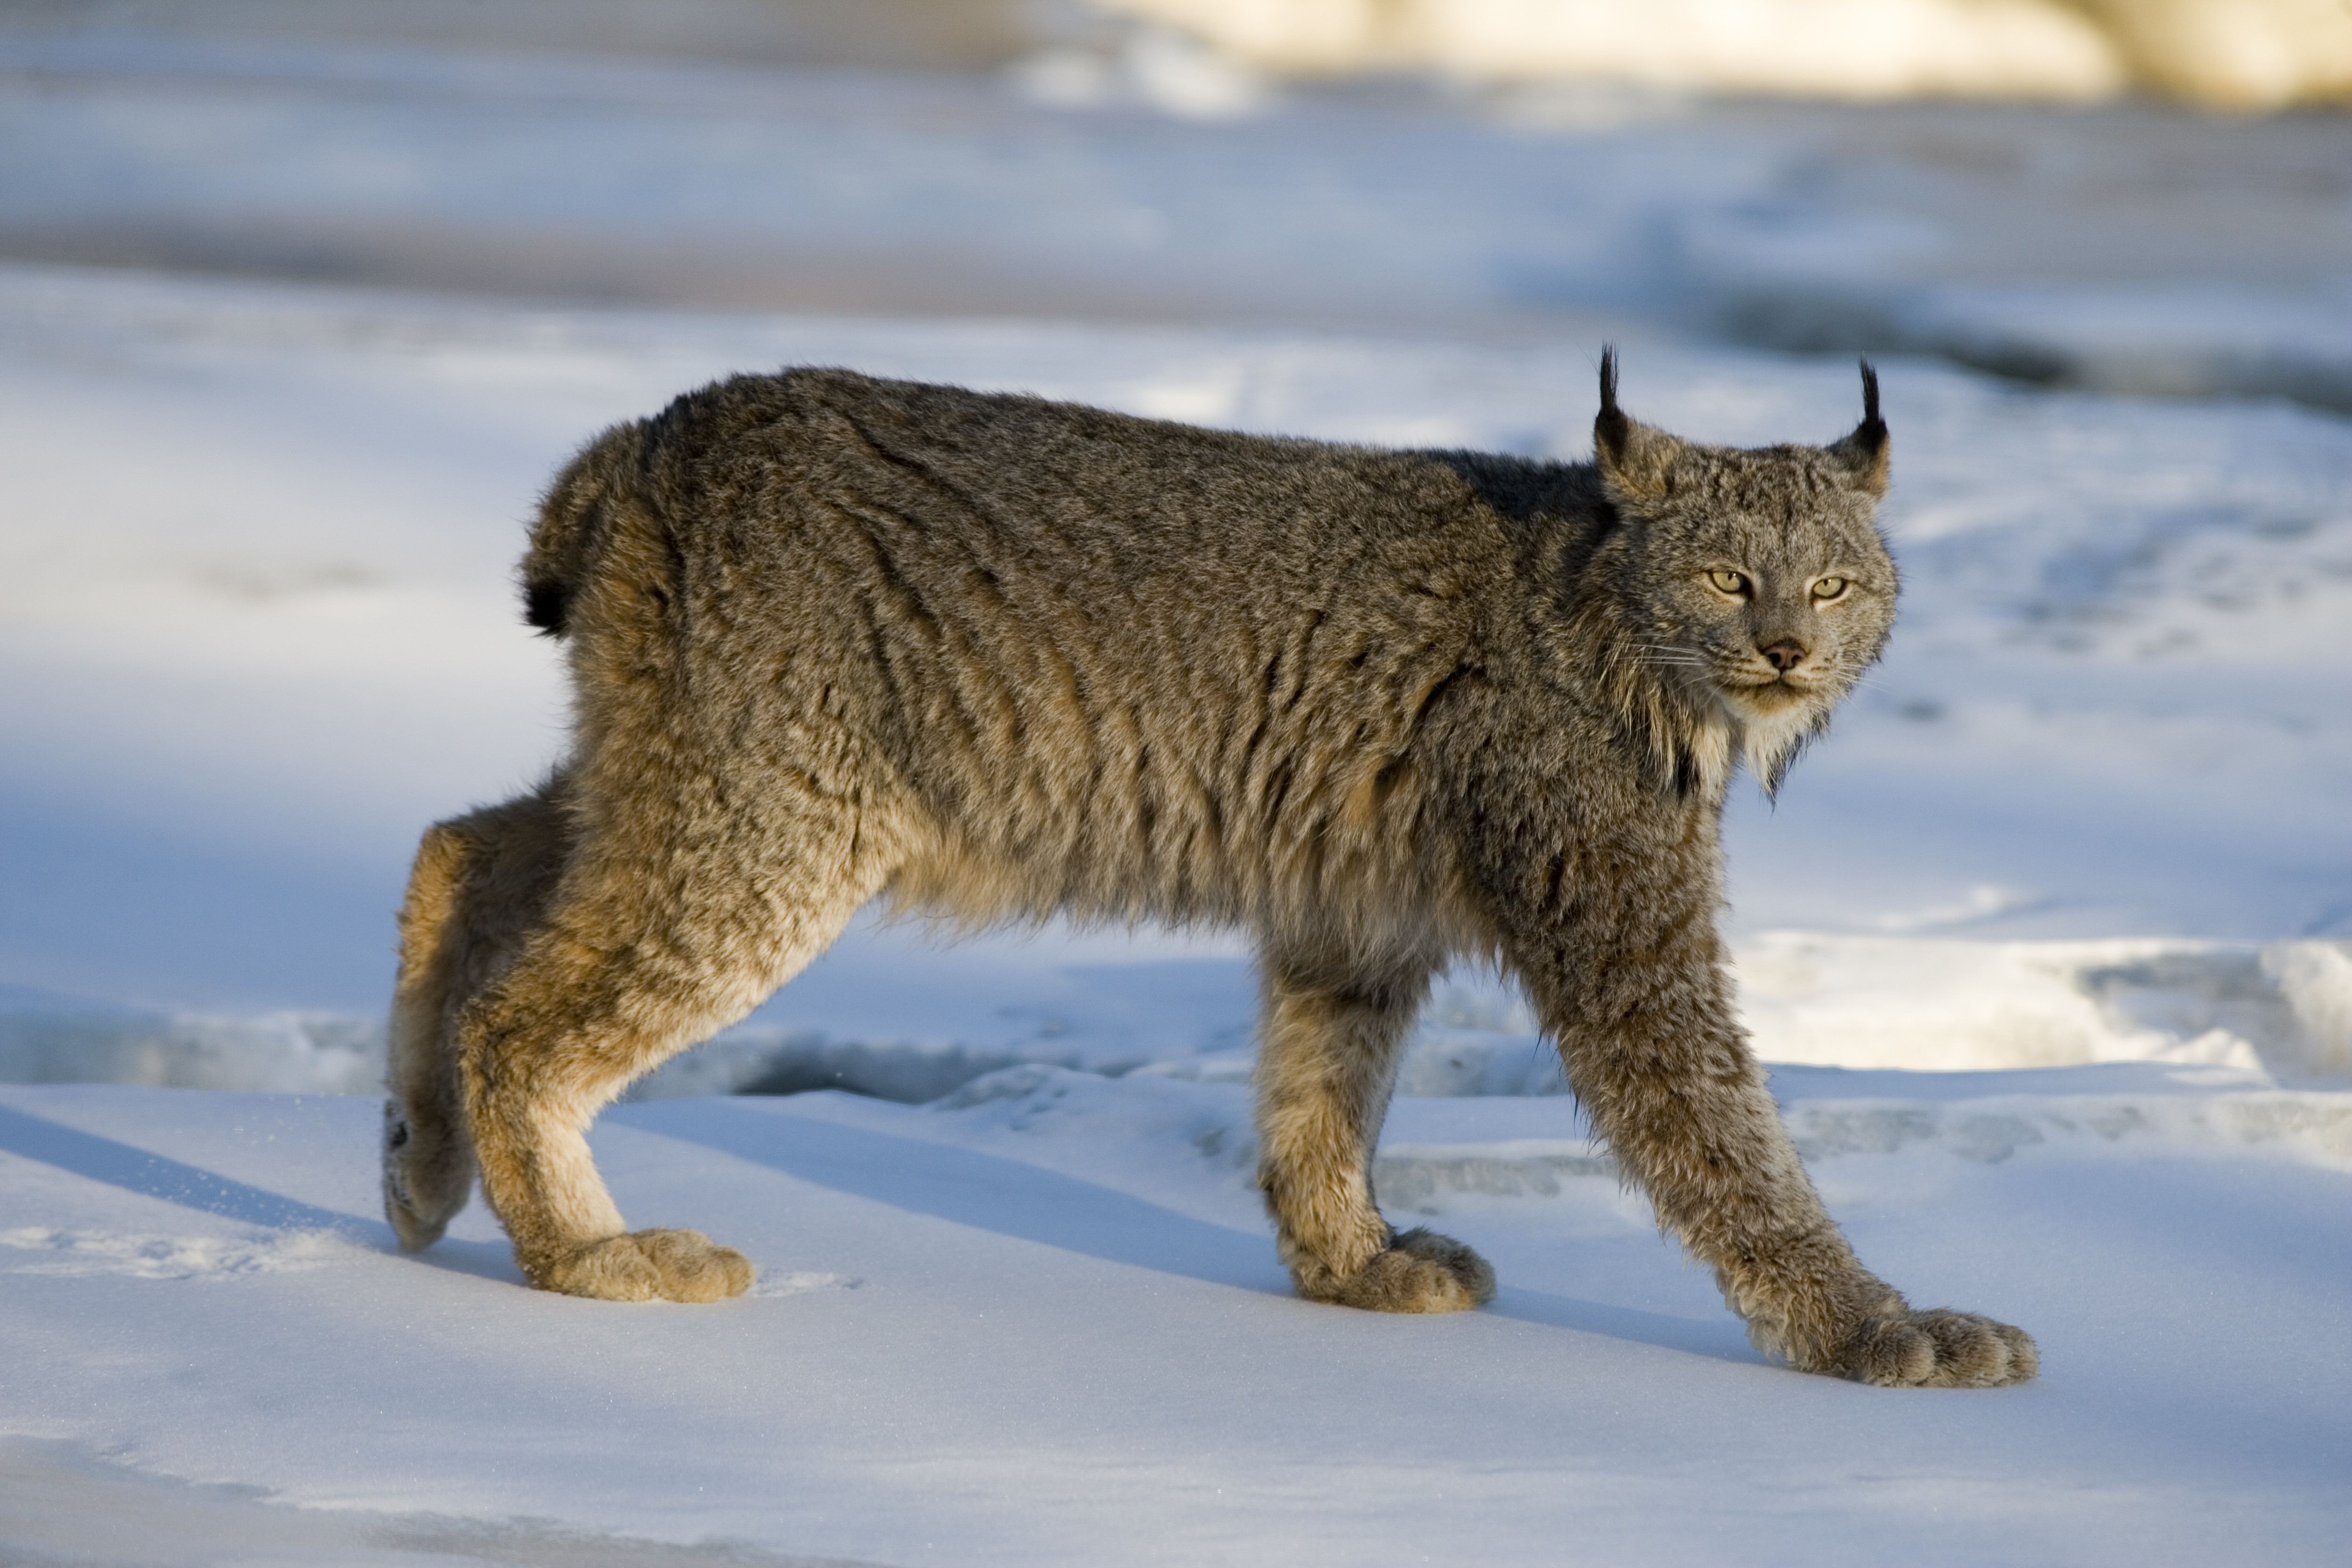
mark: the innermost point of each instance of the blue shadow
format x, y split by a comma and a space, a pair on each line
134, 1170
151, 1175
983, 1191
1721, 1340
1009, 1198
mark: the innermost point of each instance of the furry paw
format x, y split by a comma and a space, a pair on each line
650, 1265
1941, 1348
1419, 1271
426, 1180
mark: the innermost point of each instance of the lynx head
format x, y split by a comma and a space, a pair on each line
1756, 585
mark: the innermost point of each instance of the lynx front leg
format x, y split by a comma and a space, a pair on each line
480, 884
1326, 1066
1709, 1146
1643, 1017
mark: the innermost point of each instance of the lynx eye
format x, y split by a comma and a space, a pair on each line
1828, 588
1732, 582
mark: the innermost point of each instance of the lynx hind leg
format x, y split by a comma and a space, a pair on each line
1327, 1063
640, 957
479, 884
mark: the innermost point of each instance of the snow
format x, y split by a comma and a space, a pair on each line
1039, 1323
2050, 942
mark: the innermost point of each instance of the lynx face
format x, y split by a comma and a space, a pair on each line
1764, 586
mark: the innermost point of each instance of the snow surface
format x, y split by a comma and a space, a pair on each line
2050, 939
1039, 1323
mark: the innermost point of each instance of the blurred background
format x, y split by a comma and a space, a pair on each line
1933, 174
302, 301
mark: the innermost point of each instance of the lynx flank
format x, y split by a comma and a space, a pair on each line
833, 637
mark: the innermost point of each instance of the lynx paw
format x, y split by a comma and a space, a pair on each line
1419, 1271
650, 1265
1940, 1349
426, 1180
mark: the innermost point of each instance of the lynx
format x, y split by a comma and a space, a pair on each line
833, 638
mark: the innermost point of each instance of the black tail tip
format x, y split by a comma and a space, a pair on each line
543, 604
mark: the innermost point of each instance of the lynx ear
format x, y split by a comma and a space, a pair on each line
1863, 452
1636, 459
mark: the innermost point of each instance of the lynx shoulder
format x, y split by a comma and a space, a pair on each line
833, 638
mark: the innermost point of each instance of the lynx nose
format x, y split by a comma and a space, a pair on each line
1785, 655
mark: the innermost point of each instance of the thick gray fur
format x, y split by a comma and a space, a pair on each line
833, 638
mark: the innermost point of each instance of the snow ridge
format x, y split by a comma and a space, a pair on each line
78, 1254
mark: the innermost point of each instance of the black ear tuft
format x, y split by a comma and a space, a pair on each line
1870, 436
1863, 451
1611, 429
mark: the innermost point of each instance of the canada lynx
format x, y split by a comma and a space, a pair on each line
833, 638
